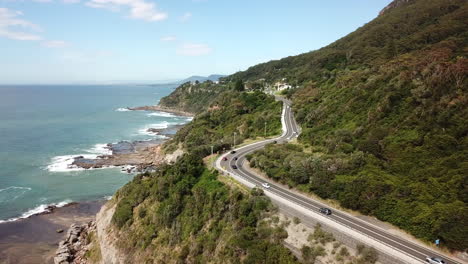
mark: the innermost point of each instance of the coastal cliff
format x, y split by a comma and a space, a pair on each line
182, 213
383, 112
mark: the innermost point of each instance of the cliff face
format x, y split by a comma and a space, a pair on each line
394, 4
384, 110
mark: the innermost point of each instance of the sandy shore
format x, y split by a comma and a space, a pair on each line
35, 239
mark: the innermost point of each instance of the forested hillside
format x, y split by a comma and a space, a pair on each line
385, 120
244, 114
193, 97
184, 214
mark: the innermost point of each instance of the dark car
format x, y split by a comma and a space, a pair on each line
325, 211
236, 158
224, 158
234, 167
233, 152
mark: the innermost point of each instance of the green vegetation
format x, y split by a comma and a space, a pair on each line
193, 98
384, 131
309, 254
93, 254
385, 120
320, 236
243, 113
367, 255
182, 213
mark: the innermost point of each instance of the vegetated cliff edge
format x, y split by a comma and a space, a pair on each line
185, 213
385, 120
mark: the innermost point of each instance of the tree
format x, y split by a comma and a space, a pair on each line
239, 86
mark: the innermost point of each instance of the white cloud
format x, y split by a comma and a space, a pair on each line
186, 17
12, 27
71, 1
168, 38
55, 44
137, 9
192, 49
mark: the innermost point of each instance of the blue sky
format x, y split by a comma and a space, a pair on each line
99, 41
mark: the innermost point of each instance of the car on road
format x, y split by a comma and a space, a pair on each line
325, 211
233, 152
224, 158
266, 185
236, 158
435, 260
234, 167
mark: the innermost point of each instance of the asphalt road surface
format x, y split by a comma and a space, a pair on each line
291, 130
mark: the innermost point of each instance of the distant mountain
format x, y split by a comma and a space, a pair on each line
213, 77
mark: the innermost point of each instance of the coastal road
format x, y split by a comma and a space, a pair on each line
395, 246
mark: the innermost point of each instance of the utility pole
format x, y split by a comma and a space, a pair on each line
211, 150
265, 128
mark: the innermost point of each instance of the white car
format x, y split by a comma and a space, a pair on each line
266, 185
435, 260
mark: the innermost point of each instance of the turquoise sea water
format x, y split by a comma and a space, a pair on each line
41, 126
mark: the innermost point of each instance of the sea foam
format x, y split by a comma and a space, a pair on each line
161, 114
12, 193
100, 149
122, 109
43, 208
65, 163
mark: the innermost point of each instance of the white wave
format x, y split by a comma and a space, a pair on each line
162, 114
129, 169
12, 193
122, 109
15, 187
144, 131
63, 164
100, 149
37, 210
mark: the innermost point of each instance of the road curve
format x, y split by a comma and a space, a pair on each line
413, 253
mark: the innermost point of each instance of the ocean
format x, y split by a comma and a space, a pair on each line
42, 127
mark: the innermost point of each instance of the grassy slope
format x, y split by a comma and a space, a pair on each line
385, 120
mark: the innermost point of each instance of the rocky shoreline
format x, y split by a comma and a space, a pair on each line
75, 245
157, 108
136, 156
35, 239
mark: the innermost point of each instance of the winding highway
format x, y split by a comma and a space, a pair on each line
395, 246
